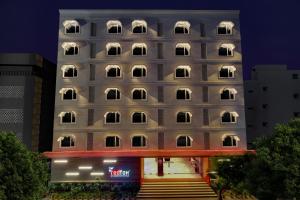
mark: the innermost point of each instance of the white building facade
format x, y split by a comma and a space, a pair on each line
146, 93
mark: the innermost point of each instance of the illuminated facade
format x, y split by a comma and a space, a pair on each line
146, 94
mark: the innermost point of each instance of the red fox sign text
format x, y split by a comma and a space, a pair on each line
118, 172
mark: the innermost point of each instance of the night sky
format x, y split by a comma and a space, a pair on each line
270, 28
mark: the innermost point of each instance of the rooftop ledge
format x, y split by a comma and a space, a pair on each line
148, 153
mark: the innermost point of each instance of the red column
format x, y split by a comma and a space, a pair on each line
160, 166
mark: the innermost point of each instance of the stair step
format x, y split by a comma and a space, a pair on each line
175, 196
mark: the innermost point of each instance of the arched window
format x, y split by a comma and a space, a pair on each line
139, 118
229, 117
139, 49
182, 27
112, 93
69, 71
228, 94
113, 71
184, 117
184, 141
139, 93
182, 49
112, 141
225, 28
139, 26
68, 93
66, 141
230, 140
227, 72
114, 26
184, 93
70, 48
71, 26
226, 50
67, 117
138, 141
139, 71
113, 49
112, 117
183, 71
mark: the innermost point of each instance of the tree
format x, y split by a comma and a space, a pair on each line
274, 172
23, 174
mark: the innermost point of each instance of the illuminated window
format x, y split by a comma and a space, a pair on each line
139, 49
230, 140
228, 94
70, 48
182, 27
68, 93
113, 49
112, 117
138, 141
183, 72
227, 72
184, 141
139, 26
69, 71
139, 71
139, 93
67, 117
112, 93
229, 117
184, 93
138, 118
184, 117
114, 26
112, 141
66, 141
113, 71
71, 26
182, 49
226, 50
225, 28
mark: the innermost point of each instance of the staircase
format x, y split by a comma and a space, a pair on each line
176, 190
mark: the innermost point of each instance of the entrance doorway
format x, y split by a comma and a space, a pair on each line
174, 167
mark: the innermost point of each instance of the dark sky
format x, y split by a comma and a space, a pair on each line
270, 28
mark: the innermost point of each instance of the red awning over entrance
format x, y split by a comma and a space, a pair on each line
148, 153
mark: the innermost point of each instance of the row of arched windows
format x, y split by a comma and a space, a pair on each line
141, 94
138, 71
141, 117
140, 49
69, 141
140, 26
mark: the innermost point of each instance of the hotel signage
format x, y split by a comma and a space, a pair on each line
118, 173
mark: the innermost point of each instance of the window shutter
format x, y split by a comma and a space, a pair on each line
205, 117
91, 94
204, 72
160, 94
160, 72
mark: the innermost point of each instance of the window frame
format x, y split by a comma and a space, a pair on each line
116, 89
141, 21
63, 68
115, 112
146, 118
121, 26
62, 91
185, 67
228, 49
185, 121
186, 136
186, 46
112, 66
70, 21
232, 91
232, 137
70, 136
232, 114
186, 90
139, 66
136, 45
74, 46
142, 89
226, 27
188, 28
61, 114
228, 68
118, 46
115, 136
146, 141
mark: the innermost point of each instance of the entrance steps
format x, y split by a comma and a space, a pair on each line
176, 190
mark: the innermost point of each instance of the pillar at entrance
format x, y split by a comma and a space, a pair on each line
205, 168
160, 166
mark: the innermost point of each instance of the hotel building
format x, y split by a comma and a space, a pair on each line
146, 94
